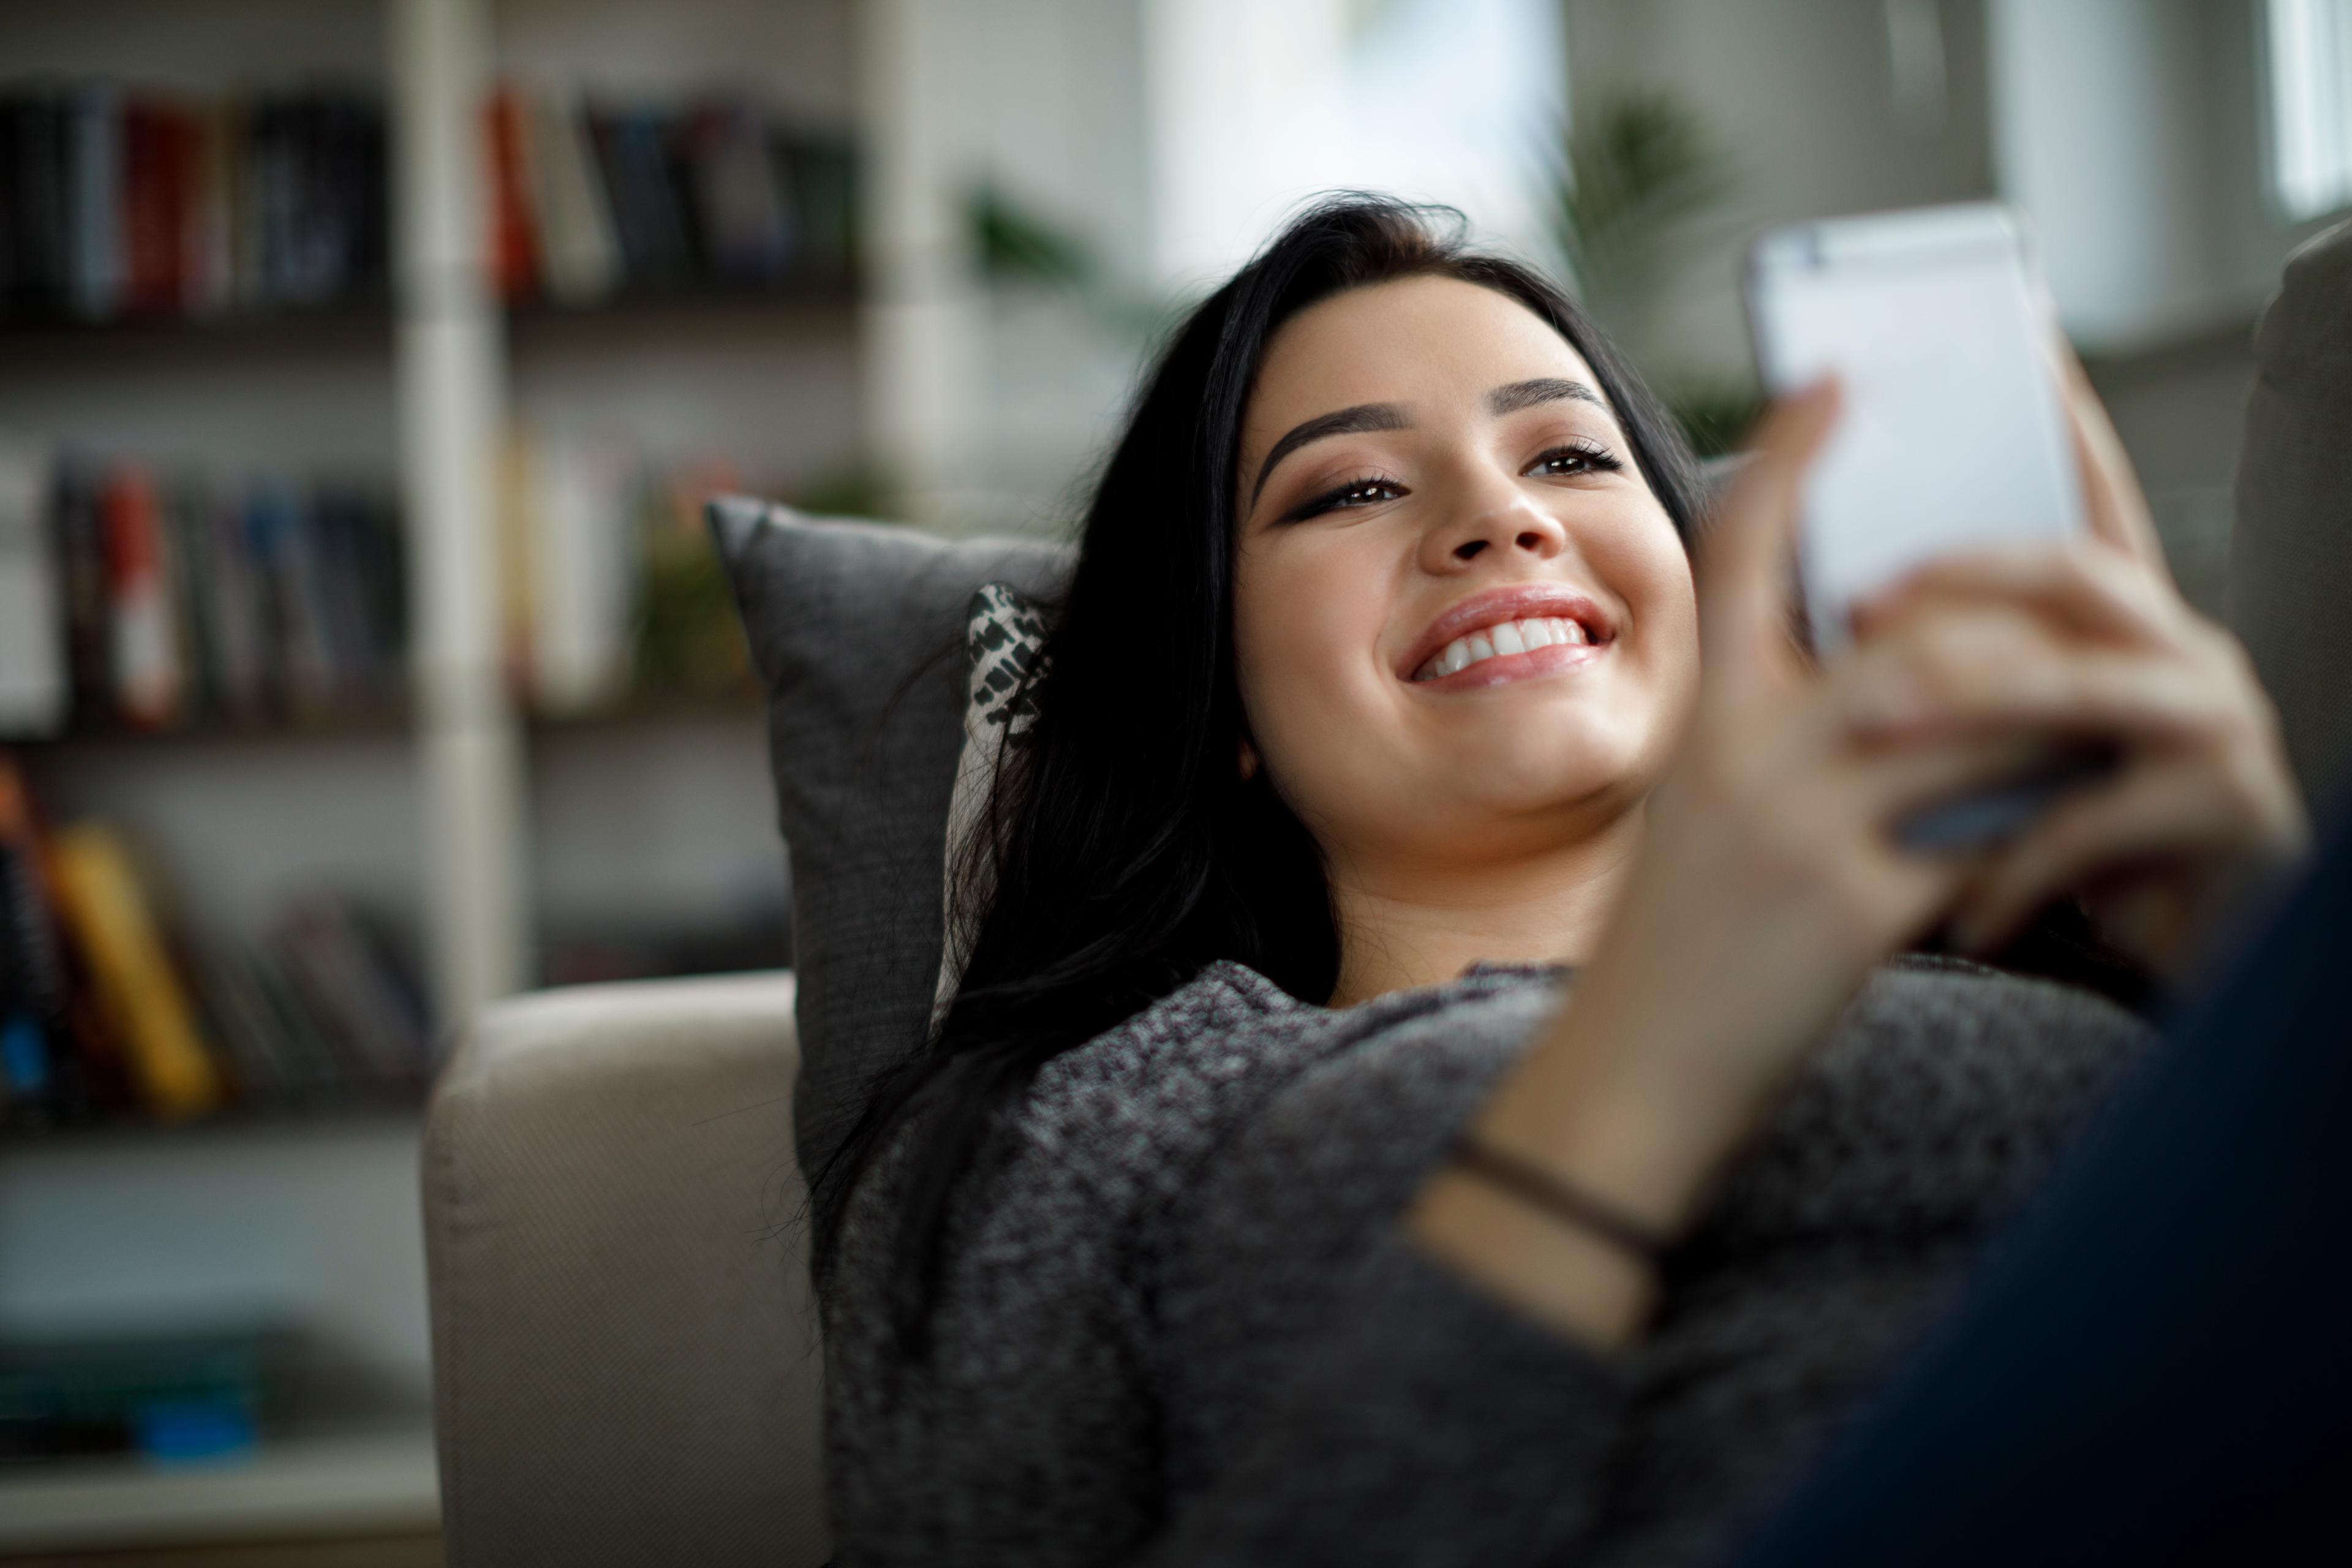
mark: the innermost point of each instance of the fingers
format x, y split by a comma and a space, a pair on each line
1961, 666
1887, 787
2093, 591
2118, 511
1742, 558
2147, 814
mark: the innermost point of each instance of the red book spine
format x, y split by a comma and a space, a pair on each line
514, 233
155, 206
141, 642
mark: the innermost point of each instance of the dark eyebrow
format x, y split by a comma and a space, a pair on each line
1339, 422
1518, 395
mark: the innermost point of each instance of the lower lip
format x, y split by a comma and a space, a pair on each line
1505, 668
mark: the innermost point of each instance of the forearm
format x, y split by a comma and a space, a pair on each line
1636, 1094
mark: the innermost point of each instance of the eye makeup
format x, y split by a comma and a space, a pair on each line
1591, 457
1346, 497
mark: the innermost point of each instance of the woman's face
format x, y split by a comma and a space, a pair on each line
1463, 624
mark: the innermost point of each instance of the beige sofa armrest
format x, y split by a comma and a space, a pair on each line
626, 1363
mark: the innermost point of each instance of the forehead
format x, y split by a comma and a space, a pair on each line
1422, 341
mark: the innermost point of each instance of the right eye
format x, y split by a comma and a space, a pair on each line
1354, 493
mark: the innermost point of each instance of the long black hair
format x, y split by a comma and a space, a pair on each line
1126, 851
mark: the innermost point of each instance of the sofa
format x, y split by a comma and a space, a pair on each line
626, 1357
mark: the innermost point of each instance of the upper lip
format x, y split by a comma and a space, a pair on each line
1514, 602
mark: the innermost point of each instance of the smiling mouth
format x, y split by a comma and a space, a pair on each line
1508, 648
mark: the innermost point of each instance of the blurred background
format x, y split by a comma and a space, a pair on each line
363, 364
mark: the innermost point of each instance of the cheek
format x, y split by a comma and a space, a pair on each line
1652, 573
1306, 624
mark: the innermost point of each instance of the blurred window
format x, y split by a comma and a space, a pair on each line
2311, 105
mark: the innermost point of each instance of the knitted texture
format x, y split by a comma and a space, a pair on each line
1179, 1323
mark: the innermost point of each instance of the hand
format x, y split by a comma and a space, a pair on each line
1766, 887
2092, 641
1769, 882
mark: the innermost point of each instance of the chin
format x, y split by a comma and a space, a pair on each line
1527, 774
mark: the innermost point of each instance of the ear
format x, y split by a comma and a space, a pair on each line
1249, 760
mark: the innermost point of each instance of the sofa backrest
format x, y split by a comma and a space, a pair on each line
2290, 588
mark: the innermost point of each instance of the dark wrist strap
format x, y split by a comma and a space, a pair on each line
1558, 1197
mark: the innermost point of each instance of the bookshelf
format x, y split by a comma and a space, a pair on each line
496, 824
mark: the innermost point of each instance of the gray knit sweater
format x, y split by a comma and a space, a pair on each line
1181, 1324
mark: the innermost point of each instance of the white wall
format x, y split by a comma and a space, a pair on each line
1805, 96
1171, 137
2129, 130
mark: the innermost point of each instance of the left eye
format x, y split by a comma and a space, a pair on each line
1573, 460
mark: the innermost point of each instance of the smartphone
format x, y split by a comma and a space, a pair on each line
1952, 434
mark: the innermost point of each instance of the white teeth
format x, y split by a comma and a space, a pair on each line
1508, 636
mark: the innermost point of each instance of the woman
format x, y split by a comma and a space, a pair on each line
1376, 712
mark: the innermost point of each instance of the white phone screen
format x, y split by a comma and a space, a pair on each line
1952, 434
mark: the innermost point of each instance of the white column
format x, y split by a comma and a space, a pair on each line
920, 369
450, 372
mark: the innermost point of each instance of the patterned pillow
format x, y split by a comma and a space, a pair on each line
1004, 631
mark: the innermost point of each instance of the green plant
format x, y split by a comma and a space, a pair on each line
1014, 246
1643, 187
1715, 419
1640, 175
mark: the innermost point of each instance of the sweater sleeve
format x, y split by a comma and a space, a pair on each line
1428, 1423
1334, 1393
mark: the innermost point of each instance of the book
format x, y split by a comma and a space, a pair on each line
143, 632
159, 145
35, 170
209, 261
580, 252
175, 596
507, 130
574, 559
32, 983
35, 691
634, 152
738, 189
94, 202
346, 971
107, 915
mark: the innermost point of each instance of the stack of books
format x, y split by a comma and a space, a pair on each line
134, 595
122, 204
109, 1014
600, 198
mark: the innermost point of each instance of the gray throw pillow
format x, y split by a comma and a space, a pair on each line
858, 633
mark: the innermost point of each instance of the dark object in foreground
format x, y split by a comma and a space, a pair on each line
2151, 1365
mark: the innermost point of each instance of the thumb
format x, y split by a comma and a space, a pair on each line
1742, 568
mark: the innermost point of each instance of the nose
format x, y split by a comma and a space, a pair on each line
1496, 519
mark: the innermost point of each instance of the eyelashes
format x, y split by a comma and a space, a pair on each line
1591, 455
1563, 461
1346, 497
